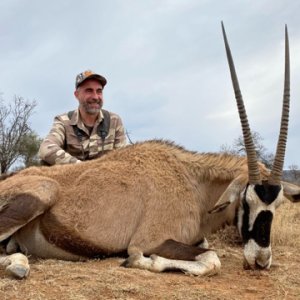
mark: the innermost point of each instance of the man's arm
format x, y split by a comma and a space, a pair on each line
52, 148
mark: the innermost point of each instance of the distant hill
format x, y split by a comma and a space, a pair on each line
291, 176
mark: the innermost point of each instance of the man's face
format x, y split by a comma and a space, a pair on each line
90, 97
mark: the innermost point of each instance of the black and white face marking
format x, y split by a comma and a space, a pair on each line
256, 211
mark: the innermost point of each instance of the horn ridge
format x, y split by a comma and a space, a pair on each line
277, 168
253, 170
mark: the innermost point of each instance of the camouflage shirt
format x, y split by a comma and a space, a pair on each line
62, 145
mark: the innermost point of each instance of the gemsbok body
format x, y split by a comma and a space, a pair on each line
154, 200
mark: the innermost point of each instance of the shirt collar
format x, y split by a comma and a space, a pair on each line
76, 119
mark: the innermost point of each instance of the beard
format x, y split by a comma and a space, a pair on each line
90, 106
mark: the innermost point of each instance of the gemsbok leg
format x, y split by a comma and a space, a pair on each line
172, 255
20, 203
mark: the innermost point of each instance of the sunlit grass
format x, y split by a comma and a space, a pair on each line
286, 225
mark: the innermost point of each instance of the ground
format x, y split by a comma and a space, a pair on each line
105, 279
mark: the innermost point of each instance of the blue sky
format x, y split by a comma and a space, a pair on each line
164, 61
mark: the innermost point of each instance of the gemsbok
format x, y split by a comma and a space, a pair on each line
153, 199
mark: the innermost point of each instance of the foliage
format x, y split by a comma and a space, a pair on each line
17, 140
29, 148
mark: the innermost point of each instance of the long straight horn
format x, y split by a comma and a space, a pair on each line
276, 172
253, 171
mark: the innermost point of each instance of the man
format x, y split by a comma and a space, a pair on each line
87, 132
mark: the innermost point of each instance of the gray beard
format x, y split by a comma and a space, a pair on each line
92, 111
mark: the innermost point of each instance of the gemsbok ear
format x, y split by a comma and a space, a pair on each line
291, 191
231, 194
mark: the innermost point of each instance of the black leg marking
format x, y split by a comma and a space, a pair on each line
176, 250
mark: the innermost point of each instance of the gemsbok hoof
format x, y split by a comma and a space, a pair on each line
18, 271
16, 265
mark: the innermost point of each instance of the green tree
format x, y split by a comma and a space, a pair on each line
28, 151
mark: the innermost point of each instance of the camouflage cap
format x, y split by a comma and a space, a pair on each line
80, 78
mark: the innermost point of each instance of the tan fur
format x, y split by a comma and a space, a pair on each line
132, 199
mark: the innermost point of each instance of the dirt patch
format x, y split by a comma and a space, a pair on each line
105, 279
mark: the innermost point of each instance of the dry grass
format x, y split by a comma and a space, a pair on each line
285, 231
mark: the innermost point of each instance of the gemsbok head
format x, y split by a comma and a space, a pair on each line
261, 196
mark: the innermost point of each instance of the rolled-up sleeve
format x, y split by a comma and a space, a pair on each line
52, 148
